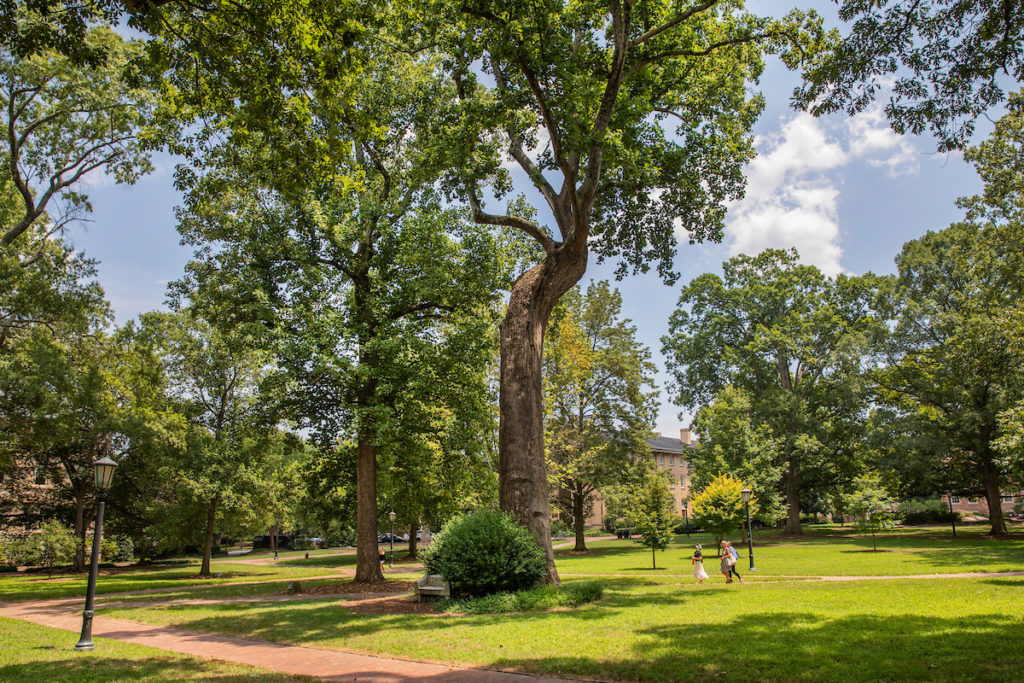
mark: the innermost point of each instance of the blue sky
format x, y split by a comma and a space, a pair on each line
846, 192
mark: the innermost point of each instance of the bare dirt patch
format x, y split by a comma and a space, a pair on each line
390, 597
393, 604
352, 588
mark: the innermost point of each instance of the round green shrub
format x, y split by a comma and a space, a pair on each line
485, 552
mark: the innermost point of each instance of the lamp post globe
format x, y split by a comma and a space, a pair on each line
103, 469
750, 530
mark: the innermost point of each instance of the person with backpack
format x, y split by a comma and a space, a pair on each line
734, 558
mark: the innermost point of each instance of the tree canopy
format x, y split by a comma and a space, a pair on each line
795, 342
946, 62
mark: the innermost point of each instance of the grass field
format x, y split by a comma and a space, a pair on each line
781, 624
30, 653
824, 552
938, 629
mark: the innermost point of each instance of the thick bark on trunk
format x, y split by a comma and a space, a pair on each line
211, 516
367, 561
793, 501
990, 475
578, 499
412, 541
522, 473
79, 561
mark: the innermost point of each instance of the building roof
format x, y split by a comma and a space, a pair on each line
665, 444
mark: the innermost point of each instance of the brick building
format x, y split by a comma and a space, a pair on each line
669, 455
971, 506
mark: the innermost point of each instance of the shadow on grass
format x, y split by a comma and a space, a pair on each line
806, 647
87, 667
787, 646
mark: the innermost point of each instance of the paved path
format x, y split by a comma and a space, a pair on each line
328, 665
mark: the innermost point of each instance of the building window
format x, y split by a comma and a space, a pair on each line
972, 500
682, 480
1006, 499
955, 500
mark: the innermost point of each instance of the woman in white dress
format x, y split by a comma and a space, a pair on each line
698, 565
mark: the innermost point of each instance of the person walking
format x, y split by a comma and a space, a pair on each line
726, 559
698, 565
734, 558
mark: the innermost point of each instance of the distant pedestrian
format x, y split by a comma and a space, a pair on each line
726, 558
380, 556
698, 564
734, 558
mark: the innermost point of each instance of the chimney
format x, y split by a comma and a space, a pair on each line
684, 436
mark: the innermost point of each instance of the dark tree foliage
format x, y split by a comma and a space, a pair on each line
951, 61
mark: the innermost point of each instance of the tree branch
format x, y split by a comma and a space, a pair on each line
671, 23
526, 226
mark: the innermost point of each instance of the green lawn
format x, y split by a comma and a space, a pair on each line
928, 630
39, 587
661, 625
840, 553
31, 653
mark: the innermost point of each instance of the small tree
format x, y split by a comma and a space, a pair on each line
54, 544
650, 510
719, 508
871, 505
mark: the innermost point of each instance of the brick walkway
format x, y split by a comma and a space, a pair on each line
328, 665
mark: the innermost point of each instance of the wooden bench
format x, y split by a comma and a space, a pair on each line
432, 587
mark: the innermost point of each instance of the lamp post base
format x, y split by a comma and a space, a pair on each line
85, 640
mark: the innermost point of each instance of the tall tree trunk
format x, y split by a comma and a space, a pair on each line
522, 472
211, 516
367, 561
412, 540
79, 560
578, 500
273, 539
990, 475
793, 500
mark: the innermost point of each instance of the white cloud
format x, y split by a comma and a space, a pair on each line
789, 200
873, 139
793, 185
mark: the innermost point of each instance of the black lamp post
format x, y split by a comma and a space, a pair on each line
104, 470
686, 519
750, 529
952, 515
391, 515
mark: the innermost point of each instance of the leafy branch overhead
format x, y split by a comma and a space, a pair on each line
627, 117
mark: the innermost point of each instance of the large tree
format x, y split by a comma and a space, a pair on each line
218, 378
954, 374
598, 412
632, 121
796, 343
380, 296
